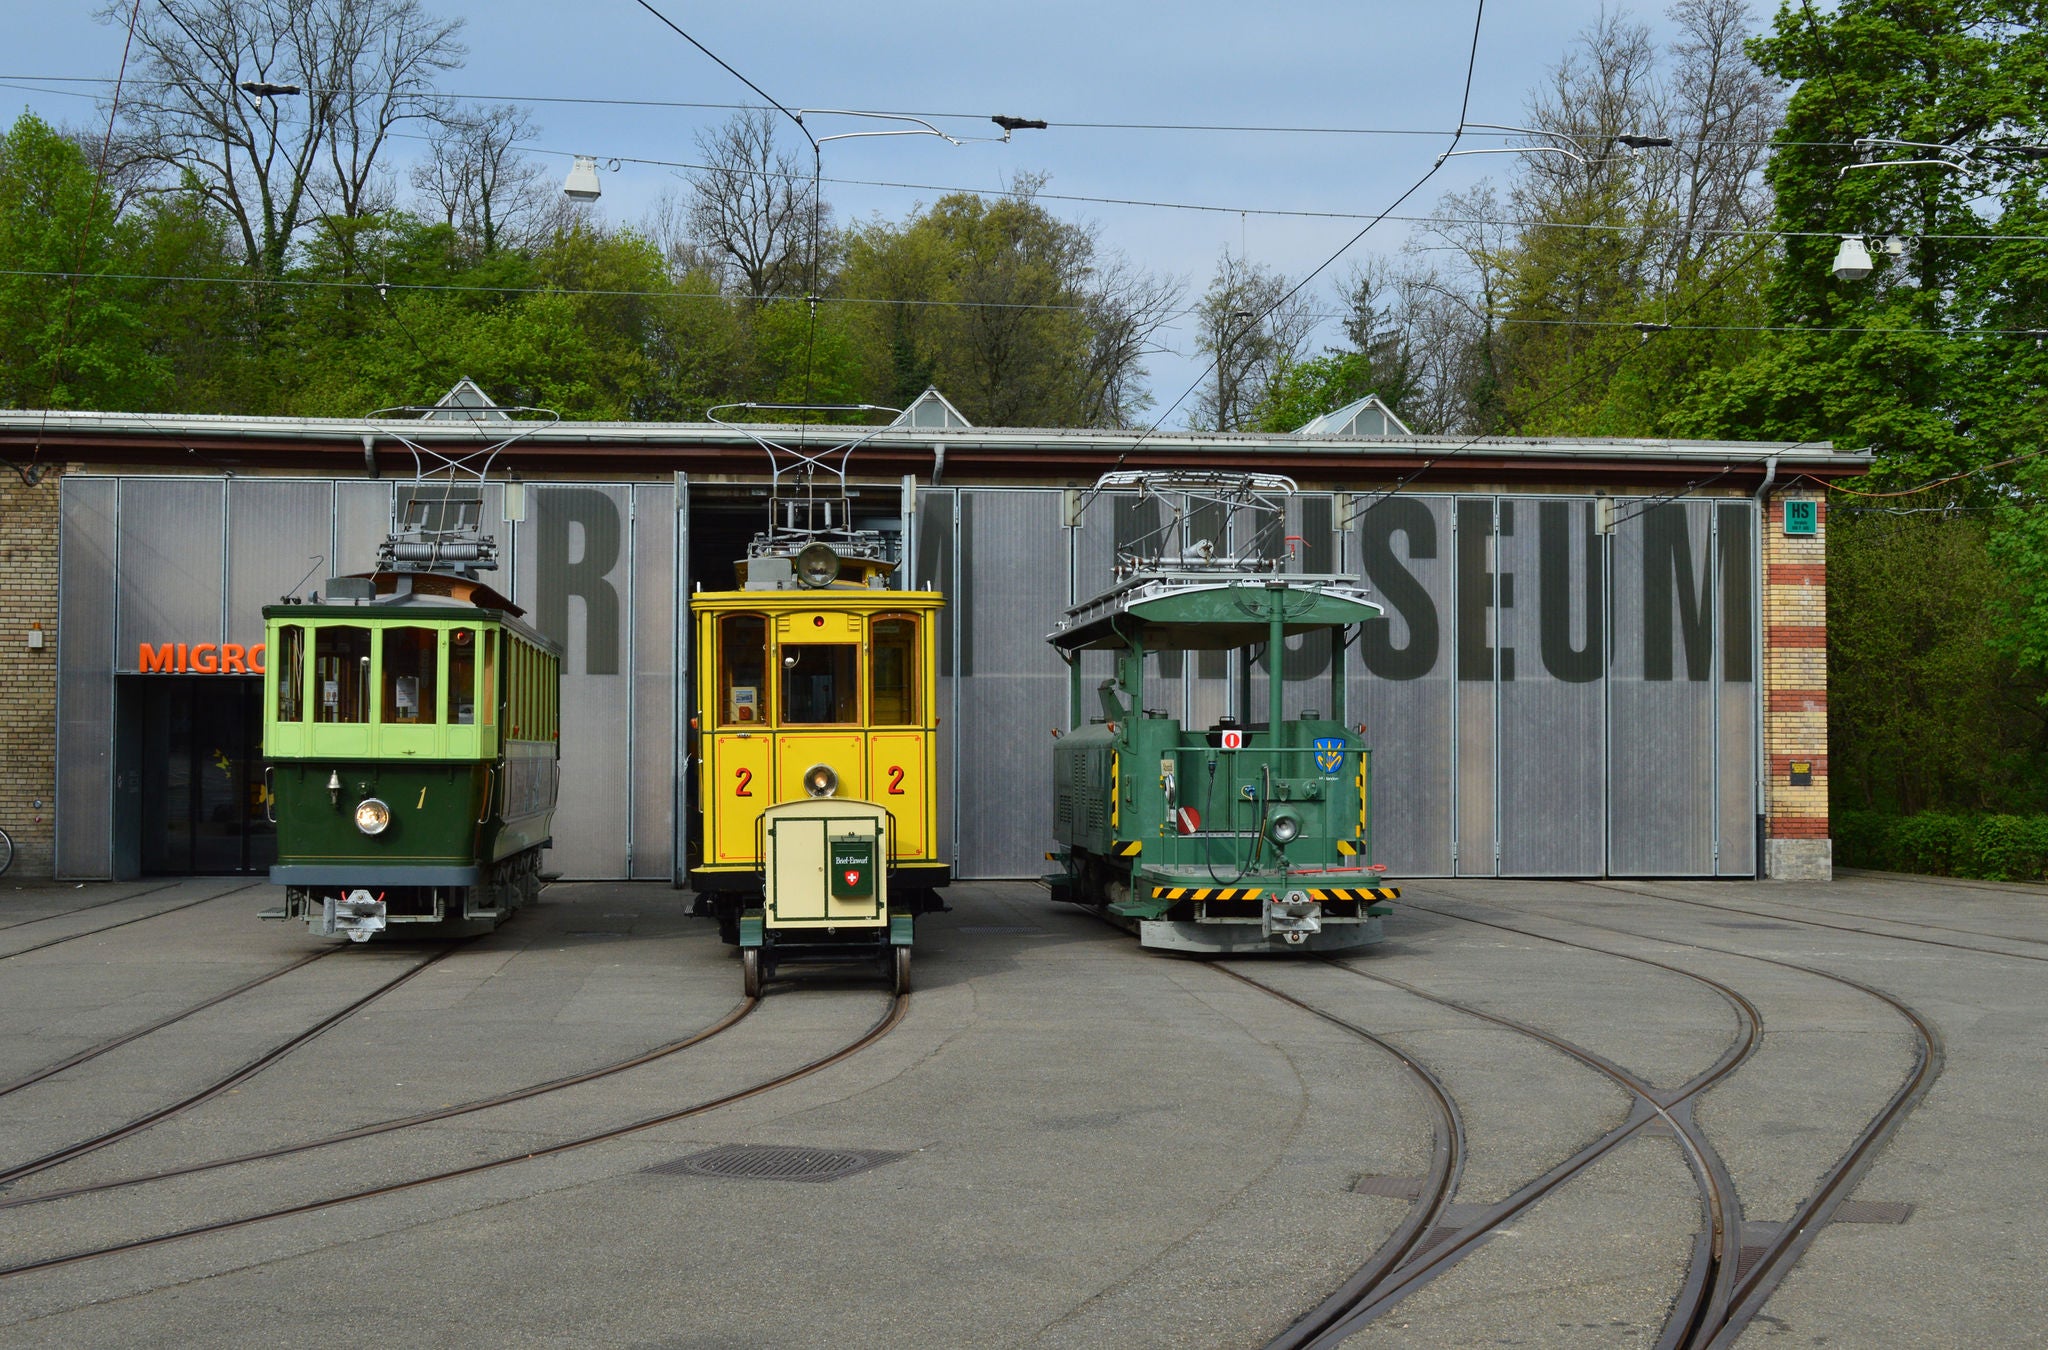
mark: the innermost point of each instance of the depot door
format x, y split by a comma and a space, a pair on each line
200, 752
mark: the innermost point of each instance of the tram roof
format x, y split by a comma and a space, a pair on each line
1210, 609
956, 454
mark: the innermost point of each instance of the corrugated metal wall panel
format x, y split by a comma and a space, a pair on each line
1473, 603
171, 580
279, 531
88, 510
1012, 682
362, 519
1552, 697
573, 574
934, 568
1736, 538
1662, 801
655, 759
1402, 684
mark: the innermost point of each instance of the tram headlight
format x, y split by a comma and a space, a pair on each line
820, 781
372, 816
816, 565
1283, 827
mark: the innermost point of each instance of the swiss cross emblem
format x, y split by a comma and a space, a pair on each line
852, 875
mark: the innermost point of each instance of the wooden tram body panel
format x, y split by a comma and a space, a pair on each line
788, 680
434, 701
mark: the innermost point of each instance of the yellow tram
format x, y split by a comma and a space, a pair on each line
816, 748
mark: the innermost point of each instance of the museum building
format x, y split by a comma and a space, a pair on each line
1599, 657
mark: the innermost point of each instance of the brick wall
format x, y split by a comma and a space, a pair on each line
28, 676
1795, 693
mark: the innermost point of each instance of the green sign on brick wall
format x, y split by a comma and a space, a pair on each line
1802, 515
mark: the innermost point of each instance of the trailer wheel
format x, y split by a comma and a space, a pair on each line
901, 983
750, 971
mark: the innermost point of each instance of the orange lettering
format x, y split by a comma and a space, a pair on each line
204, 661
256, 659
154, 658
231, 662
181, 658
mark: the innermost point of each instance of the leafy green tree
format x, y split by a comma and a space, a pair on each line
72, 334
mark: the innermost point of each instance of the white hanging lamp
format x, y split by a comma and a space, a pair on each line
1852, 259
581, 184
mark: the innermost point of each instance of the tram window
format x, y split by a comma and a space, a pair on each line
893, 697
820, 683
743, 658
487, 693
462, 676
341, 674
411, 687
291, 674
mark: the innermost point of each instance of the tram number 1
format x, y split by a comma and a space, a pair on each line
746, 785
895, 780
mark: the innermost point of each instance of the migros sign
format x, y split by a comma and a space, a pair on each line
205, 658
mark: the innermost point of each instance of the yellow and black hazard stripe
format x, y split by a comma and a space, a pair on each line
1367, 893
1344, 846
1126, 848
1206, 892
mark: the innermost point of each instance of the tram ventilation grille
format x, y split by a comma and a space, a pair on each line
765, 1162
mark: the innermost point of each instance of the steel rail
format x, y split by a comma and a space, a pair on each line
108, 928
97, 904
1446, 1165
1710, 1280
400, 1122
1792, 1241
71, 1152
94, 1052
898, 1006
1845, 928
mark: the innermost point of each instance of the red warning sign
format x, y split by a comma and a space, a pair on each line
1187, 819
1233, 740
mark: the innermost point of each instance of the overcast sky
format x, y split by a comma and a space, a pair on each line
1362, 67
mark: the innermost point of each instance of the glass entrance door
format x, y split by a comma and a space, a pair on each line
203, 793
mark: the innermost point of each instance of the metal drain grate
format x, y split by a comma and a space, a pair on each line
1746, 1258
768, 1162
1872, 1211
1394, 1188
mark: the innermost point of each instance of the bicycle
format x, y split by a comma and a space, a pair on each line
6, 853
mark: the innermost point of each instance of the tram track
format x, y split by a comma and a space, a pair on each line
1759, 1278
71, 1152
81, 909
1616, 889
108, 928
899, 1006
1711, 1277
506, 1098
104, 1047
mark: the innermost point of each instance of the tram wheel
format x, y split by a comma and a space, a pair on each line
750, 971
901, 982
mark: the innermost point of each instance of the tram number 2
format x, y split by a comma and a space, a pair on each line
895, 780
746, 782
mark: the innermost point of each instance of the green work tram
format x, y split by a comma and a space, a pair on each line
412, 737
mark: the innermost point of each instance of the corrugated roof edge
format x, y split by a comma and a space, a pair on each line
17, 423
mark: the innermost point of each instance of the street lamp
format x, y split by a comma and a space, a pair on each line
1852, 259
581, 185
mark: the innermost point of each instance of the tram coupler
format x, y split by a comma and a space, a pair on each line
1293, 919
358, 914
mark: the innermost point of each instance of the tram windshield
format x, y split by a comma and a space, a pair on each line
821, 684
411, 668
341, 674
892, 698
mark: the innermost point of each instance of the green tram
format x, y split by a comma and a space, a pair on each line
412, 736
1240, 837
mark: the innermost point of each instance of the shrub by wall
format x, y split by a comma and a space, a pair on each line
1947, 844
